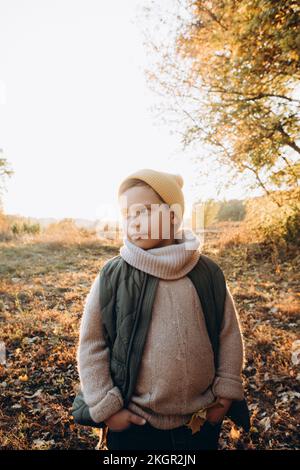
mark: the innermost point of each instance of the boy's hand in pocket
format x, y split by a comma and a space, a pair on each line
216, 413
123, 419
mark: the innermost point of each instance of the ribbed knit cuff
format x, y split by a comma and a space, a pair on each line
229, 386
111, 403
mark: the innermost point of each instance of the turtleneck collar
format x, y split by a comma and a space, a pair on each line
167, 262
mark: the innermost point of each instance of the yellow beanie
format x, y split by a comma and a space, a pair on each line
167, 185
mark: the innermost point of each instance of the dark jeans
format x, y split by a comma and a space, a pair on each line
147, 437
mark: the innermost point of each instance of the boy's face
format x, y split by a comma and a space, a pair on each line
147, 221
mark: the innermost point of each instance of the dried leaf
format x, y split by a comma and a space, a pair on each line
199, 416
266, 423
23, 378
235, 433
197, 421
296, 352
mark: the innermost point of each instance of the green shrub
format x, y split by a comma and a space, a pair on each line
25, 228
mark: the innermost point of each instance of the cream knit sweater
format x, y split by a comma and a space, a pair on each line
177, 375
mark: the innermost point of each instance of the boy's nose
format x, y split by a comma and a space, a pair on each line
135, 223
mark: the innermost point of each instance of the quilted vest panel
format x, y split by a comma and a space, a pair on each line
126, 299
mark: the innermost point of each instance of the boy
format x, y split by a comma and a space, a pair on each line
174, 364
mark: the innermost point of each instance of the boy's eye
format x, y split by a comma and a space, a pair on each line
136, 213
145, 210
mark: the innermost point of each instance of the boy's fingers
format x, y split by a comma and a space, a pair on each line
136, 419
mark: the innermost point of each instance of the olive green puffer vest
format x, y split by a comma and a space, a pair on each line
126, 299
127, 295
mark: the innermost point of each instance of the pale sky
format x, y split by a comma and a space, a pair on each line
75, 114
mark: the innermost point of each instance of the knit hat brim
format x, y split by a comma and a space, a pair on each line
167, 185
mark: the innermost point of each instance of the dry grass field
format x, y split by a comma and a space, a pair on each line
43, 285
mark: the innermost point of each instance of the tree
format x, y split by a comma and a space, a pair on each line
233, 75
